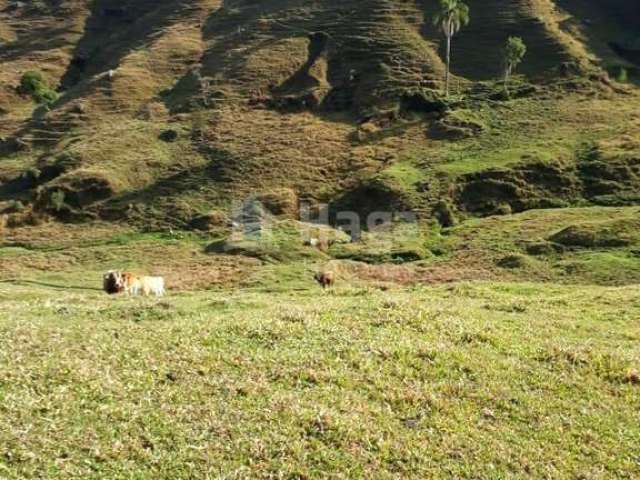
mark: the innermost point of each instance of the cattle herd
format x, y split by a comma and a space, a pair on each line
115, 282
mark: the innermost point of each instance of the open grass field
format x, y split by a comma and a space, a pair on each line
469, 380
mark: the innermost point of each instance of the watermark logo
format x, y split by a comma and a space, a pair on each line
321, 225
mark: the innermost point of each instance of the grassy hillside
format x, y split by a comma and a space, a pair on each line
170, 112
171, 109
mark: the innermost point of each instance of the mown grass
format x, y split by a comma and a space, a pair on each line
463, 381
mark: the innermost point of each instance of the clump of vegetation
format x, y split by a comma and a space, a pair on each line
445, 214
623, 75
35, 84
57, 200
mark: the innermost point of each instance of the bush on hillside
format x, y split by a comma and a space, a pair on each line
35, 84
623, 75
445, 214
56, 200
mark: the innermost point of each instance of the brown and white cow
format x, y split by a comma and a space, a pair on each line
115, 282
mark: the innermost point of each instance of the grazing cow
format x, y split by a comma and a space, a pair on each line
130, 283
134, 285
325, 279
152, 285
112, 282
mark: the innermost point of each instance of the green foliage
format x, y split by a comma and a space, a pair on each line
34, 83
623, 75
514, 52
452, 16
56, 199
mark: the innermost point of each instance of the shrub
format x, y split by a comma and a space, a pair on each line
623, 75
57, 200
445, 214
32, 81
35, 84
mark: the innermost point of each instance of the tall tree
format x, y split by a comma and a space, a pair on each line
514, 52
453, 15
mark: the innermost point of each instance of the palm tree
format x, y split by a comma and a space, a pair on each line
453, 15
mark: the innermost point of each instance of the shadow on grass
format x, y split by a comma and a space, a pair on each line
51, 285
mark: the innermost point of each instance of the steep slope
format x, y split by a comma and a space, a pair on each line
609, 28
478, 48
369, 48
171, 108
34, 37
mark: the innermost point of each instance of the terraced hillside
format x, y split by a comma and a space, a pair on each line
170, 109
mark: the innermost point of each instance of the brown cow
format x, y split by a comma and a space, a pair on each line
325, 279
130, 283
